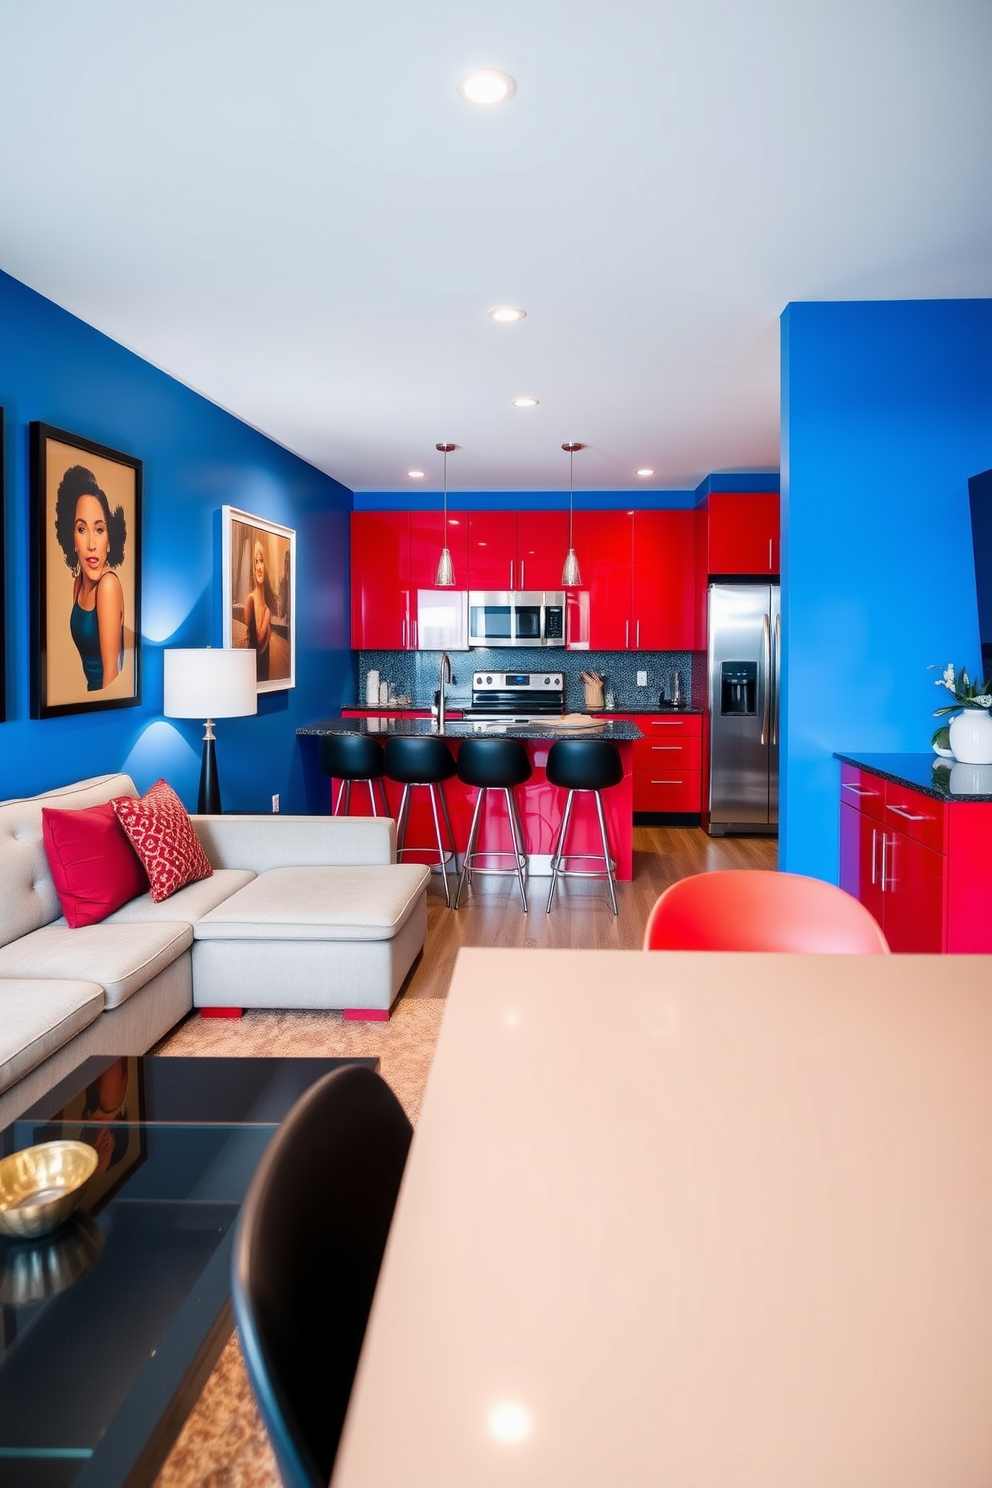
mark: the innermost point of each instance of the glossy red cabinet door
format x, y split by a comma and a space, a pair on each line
860, 858
663, 605
492, 550
603, 542
426, 542
380, 565
743, 532
914, 895
542, 545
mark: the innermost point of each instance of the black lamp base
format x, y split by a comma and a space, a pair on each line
208, 800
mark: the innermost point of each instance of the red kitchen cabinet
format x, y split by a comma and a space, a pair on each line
426, 542
492, 549
638, 581
919, 864
667, 763
743, 529
542, 546
663, 588
380, 584
517, 550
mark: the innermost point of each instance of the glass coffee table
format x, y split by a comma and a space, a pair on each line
110, 1326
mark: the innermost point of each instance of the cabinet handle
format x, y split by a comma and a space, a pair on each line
416, 635
769, 555
668, 782
626, 635
668, 723
523, 581
669, 748
859, 790
404, 636
637, 643
909, 815
511, 575
874, 844
892, 881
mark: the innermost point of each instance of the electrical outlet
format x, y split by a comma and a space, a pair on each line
642, 679
275, 802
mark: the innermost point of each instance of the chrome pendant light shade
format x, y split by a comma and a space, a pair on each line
445, 576
571, 577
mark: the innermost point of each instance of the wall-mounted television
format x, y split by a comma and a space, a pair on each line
980, 494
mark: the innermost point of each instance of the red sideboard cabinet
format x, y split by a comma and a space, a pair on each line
920, 862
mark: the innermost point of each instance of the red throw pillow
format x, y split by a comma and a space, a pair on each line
164, 839
94, 867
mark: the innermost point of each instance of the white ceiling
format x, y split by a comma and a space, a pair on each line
288, 207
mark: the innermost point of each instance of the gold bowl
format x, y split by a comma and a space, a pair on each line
41, 1186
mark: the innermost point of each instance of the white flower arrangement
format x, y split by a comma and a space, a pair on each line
966, 693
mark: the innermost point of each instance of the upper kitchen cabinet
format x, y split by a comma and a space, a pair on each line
393, 554
638, 581
743, 532
516, 549
380, 585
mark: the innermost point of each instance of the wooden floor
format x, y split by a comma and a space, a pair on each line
490, 913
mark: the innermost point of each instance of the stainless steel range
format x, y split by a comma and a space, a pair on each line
516, 696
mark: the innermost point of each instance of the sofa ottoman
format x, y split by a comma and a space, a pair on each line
313, 937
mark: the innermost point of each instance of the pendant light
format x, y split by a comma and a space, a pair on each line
571, 578
445, 576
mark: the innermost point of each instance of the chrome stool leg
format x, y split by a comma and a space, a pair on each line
559, 852
517, 839
464, 876
401, 822
608, 862
441, 854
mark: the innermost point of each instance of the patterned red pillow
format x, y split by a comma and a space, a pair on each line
94, 867
163, 836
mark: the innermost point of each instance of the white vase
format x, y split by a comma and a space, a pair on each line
970, 736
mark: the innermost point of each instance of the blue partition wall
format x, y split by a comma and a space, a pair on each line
196, 458
886, 413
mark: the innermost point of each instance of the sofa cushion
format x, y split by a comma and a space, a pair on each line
319, 904
159, 827
37, 1018
94, 867
189, 904
120, 957
27, 893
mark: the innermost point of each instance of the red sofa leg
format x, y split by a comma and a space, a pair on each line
221, 1012
366, 1015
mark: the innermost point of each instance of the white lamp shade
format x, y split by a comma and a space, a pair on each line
210, 683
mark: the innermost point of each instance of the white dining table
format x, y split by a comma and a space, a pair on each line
692, 1220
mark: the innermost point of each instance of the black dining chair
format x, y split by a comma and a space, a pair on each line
307, 1251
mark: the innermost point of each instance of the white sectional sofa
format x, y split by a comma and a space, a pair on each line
300, 912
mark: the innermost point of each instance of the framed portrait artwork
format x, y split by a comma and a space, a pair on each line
86, 575
259, 566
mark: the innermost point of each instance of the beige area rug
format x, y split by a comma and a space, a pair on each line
223, 1443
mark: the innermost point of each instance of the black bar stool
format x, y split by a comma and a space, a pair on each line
499, 765
349, 757
422, 760
583, 765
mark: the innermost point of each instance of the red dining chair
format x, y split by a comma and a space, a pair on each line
760, 909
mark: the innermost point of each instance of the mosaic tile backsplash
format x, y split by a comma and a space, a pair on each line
414, 674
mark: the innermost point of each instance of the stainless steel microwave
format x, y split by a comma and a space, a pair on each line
505, 617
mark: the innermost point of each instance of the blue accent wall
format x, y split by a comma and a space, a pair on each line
886, 413
419, 498
196, 458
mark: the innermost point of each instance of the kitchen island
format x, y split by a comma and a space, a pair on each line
540, 803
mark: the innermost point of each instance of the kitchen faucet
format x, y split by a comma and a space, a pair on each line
445, 666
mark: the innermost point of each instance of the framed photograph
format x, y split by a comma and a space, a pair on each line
259, 565
3, 613
107, 1115
86, 575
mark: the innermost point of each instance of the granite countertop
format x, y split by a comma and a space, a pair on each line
379, 726
455, 705
943, 779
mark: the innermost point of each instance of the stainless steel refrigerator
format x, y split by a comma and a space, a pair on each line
745, 650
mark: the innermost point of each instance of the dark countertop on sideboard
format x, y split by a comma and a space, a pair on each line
943, 779
380, 726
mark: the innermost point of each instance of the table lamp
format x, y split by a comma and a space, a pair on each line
210, 683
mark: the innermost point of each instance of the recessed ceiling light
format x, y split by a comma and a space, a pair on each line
486, 86
525, 402
415, 474
505, 314
645, 471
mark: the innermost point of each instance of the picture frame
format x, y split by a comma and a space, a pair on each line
85, 575
259, 594
3, 592
108, 1115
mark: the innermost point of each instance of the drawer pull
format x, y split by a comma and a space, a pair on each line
666, 748
910, 815
667, 722
668, 782
859, 790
